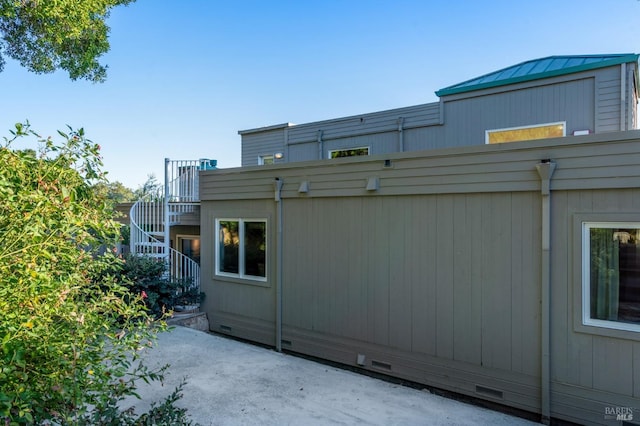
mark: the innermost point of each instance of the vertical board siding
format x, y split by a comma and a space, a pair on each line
465, 338
400, 248
431, 274
437, 273
445, 265
584, 360
496, 283
526, 331
636, 371
245, 306
422, 264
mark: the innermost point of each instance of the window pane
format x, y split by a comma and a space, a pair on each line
527, 133
191, 248
265, 159
615, 274
255, 238
339, 153
229, 246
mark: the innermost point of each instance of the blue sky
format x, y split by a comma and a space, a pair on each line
185, 75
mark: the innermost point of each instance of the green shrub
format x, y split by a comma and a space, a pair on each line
70, 332
146, 276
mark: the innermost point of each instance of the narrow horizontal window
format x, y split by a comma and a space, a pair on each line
265, 159
611, 275
241, 248
524, 133
350, 152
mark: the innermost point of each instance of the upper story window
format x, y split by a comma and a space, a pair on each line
524, 133
241, 248
265, 159
611, 275
348, 152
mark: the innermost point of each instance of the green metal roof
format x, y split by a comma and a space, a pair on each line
536, 69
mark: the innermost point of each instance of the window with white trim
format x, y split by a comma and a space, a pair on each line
265, 159
611, 275
241, 248
525, 133
349, 152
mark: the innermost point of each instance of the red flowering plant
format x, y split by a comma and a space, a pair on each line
147, 278
70, 332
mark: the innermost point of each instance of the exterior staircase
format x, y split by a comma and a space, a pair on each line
152, 217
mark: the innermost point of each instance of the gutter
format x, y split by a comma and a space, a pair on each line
545, 169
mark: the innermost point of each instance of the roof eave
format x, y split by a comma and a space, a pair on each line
453, 90
265, 129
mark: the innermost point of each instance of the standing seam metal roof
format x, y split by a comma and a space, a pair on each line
537, 69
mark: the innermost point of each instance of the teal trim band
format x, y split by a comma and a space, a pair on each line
468, 85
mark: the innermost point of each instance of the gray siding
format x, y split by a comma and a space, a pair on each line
365, 124
589, 100
435, 277
608, 101
589, 372
377, 130
467, 119
243, 310
261, 143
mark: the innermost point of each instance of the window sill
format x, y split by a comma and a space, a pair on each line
237, 280
610, 329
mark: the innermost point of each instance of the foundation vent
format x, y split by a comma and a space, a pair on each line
493, 393
381, 365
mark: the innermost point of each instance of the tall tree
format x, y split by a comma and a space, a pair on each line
46, 35
151, 190
115, 192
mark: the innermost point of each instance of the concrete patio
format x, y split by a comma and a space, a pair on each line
235, 383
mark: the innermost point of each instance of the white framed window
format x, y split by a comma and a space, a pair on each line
241, 248
349, 152
611, 275
265, 159
524, 133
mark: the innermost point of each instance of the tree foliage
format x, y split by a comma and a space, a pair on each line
45, 35
69, 333
150, 190
115, 192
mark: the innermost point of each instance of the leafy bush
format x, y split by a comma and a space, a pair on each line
70, 332
146, 277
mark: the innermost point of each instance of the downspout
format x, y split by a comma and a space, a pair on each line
320, 146
545, 170
286, 144
278, 191
400, 134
